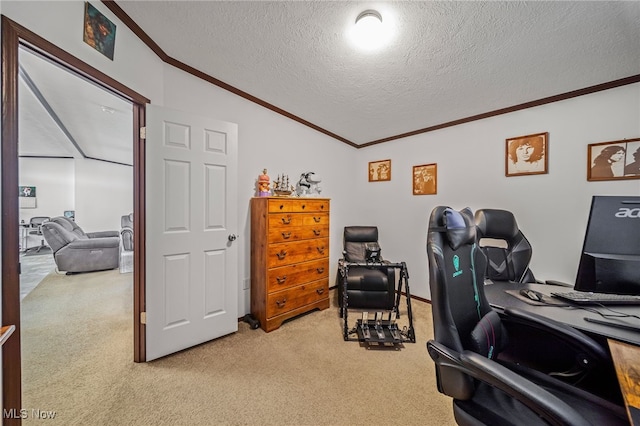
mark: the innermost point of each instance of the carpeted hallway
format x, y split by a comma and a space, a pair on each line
77, 362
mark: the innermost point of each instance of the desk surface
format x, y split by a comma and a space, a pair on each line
571, 315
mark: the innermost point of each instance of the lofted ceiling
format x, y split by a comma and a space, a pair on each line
446, 61
63, 115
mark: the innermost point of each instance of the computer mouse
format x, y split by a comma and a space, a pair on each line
531, 294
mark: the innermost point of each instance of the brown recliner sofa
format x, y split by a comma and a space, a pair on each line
77, 251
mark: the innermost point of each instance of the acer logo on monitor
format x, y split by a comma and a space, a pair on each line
626, 212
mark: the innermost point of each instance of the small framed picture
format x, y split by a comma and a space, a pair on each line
613, 160
425, 179
99, 31
27, 191
527, 155
379, 170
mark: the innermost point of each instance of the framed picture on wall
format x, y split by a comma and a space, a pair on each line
425, 179
613, 160
527, 155
27, 191
99, 31
379, 170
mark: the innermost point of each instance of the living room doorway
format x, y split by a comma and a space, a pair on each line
68, 127
14, 37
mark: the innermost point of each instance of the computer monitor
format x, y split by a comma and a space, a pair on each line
610, 259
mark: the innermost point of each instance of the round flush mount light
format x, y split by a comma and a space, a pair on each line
369, 18
370, 31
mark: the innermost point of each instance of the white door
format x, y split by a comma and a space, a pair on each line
191, 217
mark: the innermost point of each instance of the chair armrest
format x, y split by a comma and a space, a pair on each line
542, 402
546, 405
591, 349
102, 234
94, 243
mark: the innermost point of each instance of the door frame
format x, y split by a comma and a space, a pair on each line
13, 36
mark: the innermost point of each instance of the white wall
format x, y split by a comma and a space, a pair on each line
54, 180
99, 192
104, 193
551, 208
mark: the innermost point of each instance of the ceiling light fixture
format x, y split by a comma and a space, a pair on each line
370, 18
370, 33
107, 109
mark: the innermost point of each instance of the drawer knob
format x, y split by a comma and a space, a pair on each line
281, 206
320, 270
316, 232
286, 220
317, 219
320, 250
320, 290
282, 254
281, 303
303, 206
286, 235
281, 279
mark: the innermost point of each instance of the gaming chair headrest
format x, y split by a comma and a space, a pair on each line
460, 227
355, 240
362, 234
499, 224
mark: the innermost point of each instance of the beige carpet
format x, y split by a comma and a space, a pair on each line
77, 362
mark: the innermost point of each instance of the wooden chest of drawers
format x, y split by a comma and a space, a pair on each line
289, 258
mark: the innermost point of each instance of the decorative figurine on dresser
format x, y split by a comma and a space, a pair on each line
289, 258
263, 184
308, 185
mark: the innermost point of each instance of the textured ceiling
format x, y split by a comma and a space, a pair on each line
446, 61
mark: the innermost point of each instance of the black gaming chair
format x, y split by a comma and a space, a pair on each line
470, 338
367, 288
510, 263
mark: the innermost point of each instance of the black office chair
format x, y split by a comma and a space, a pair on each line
367, 287
470, 339
35, 223
507, 258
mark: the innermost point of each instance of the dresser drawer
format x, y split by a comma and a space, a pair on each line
300, 205
289, 276
284, 234
299, 251
290, 220
286, 300
281, 205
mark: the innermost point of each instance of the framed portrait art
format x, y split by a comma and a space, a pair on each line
379, 170
613, 160
425, 179
527, 155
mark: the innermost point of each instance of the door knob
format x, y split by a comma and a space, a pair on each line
232, 237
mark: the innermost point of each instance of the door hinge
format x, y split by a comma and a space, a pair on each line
143, 317
143, 132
